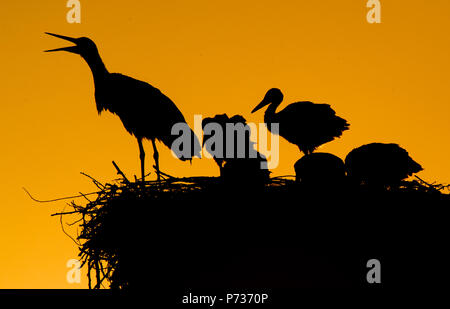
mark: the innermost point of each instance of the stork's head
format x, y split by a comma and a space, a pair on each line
274, 95
83, 46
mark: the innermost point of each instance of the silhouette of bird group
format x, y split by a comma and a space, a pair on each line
147, 113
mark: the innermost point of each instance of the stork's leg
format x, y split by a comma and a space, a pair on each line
142, 157
156, 157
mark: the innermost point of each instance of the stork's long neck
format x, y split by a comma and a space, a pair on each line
270, 114
98, 68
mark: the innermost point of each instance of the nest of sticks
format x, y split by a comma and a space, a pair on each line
98, 238
124, 217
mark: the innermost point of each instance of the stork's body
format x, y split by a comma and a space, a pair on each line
305, 124
380, 165
144, 110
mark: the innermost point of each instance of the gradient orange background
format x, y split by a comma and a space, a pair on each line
389, 80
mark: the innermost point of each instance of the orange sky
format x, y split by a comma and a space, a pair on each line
388, 80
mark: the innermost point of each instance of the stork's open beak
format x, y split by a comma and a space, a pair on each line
71, 49
261, 105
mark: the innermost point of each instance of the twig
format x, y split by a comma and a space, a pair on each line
438, 187
164, 174
119, 172
75, 222
95, 181
64, 213
59, 199
84, 195
139, 179
62, 227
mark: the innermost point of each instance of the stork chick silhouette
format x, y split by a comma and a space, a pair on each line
144, 111
305, 124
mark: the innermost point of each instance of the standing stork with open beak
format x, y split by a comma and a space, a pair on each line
143, 109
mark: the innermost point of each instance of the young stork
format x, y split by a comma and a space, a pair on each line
305, 124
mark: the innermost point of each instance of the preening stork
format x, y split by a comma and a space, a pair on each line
246, 168
143, 109
305, 124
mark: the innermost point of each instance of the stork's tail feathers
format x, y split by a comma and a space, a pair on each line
186, 146
342, 123
414, 167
